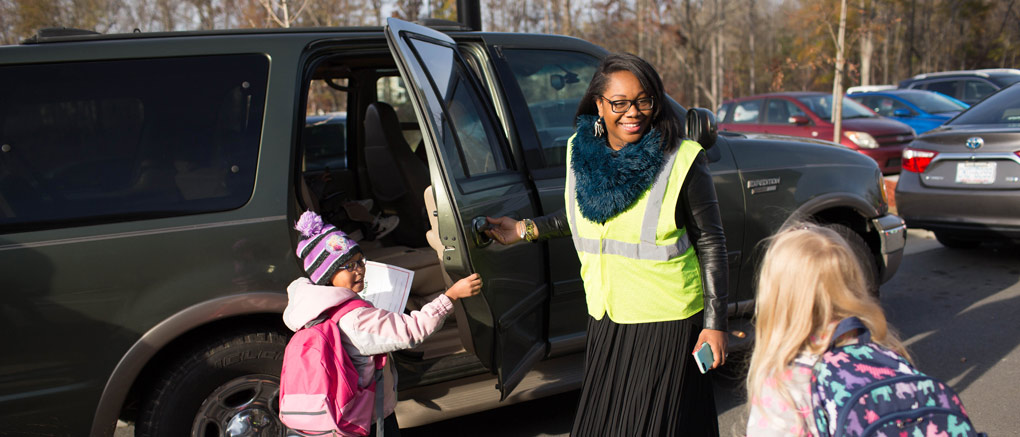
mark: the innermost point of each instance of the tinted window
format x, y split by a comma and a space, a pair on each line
325, 142
553, 83
780, 111
723, 110
467, 134
1005, 80
746, 112
1000, 108
947, 87
119, 140
324, 139
974, 90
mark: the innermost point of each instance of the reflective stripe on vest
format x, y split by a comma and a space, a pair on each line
638, 267
646, 249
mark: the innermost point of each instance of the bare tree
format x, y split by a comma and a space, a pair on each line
867, 39
7, 33
377, 7
408, 10
281, 12
837, 83
751, 20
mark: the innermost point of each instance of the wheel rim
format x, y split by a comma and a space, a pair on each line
247, 406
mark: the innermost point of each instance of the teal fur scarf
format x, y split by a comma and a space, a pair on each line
609, 181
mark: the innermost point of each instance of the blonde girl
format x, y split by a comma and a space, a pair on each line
809, 281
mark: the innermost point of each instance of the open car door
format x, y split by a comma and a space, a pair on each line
473, 176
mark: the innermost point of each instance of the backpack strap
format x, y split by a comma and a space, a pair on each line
380, 396
335, 313
850, 324
341, 310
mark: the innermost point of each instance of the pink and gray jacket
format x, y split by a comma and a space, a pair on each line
366, 331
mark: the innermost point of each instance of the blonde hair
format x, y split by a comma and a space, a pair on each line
809, 280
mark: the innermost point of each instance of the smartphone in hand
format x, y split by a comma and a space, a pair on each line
704, 357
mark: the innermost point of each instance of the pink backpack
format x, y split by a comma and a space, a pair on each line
319, 390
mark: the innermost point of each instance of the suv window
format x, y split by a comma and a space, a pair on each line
746, 112
553, 83
947, 87
325, 142
468, 135
324, 138
975, 90
390, 89
120, 140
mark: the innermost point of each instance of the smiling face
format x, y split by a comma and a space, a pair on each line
627, 127
352, 279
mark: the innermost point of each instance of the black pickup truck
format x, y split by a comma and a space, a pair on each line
149, 183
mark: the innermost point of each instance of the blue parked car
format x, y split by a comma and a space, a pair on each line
919, 109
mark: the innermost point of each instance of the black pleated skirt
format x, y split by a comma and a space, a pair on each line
641, 380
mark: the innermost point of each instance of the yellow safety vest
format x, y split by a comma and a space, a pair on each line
638, 267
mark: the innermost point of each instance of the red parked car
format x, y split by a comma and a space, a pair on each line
807, 114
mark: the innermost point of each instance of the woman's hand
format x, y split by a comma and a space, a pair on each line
505, 230
465, 287
717, 340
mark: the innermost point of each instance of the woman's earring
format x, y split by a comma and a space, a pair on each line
599, 127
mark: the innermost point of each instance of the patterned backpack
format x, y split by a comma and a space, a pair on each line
865, 389
319, 392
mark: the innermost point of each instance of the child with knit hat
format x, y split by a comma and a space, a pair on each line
335, 267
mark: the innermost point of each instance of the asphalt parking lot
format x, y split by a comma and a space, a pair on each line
955, 309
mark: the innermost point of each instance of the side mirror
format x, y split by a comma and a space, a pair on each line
701, 127
902, 112
556, 81
798, 120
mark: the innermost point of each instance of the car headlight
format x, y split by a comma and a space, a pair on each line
863, 140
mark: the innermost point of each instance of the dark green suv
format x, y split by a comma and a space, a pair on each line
149, 184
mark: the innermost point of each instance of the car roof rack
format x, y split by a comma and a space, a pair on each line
869, 88
984, 72
57, 32
67, 34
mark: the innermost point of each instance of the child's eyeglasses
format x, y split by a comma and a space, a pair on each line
354, 265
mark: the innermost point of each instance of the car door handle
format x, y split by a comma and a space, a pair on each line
478, 227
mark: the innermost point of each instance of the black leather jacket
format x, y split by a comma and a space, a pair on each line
698, 208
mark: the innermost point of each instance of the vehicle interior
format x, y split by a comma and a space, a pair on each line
368, 171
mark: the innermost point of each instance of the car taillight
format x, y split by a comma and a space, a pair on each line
917, 160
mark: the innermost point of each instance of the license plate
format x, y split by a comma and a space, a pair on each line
975, 173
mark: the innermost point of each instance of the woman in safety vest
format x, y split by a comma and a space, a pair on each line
642, 210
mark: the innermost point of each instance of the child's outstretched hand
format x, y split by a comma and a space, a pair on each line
466, 287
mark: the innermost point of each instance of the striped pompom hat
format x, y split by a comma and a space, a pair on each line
323, 248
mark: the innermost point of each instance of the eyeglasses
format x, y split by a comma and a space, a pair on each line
622, 106
354, 265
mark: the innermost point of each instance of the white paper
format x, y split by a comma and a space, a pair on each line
387, 287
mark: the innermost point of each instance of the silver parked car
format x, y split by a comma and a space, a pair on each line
962, 180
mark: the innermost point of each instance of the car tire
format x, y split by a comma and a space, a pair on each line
231, 380
864, 255
955, 243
